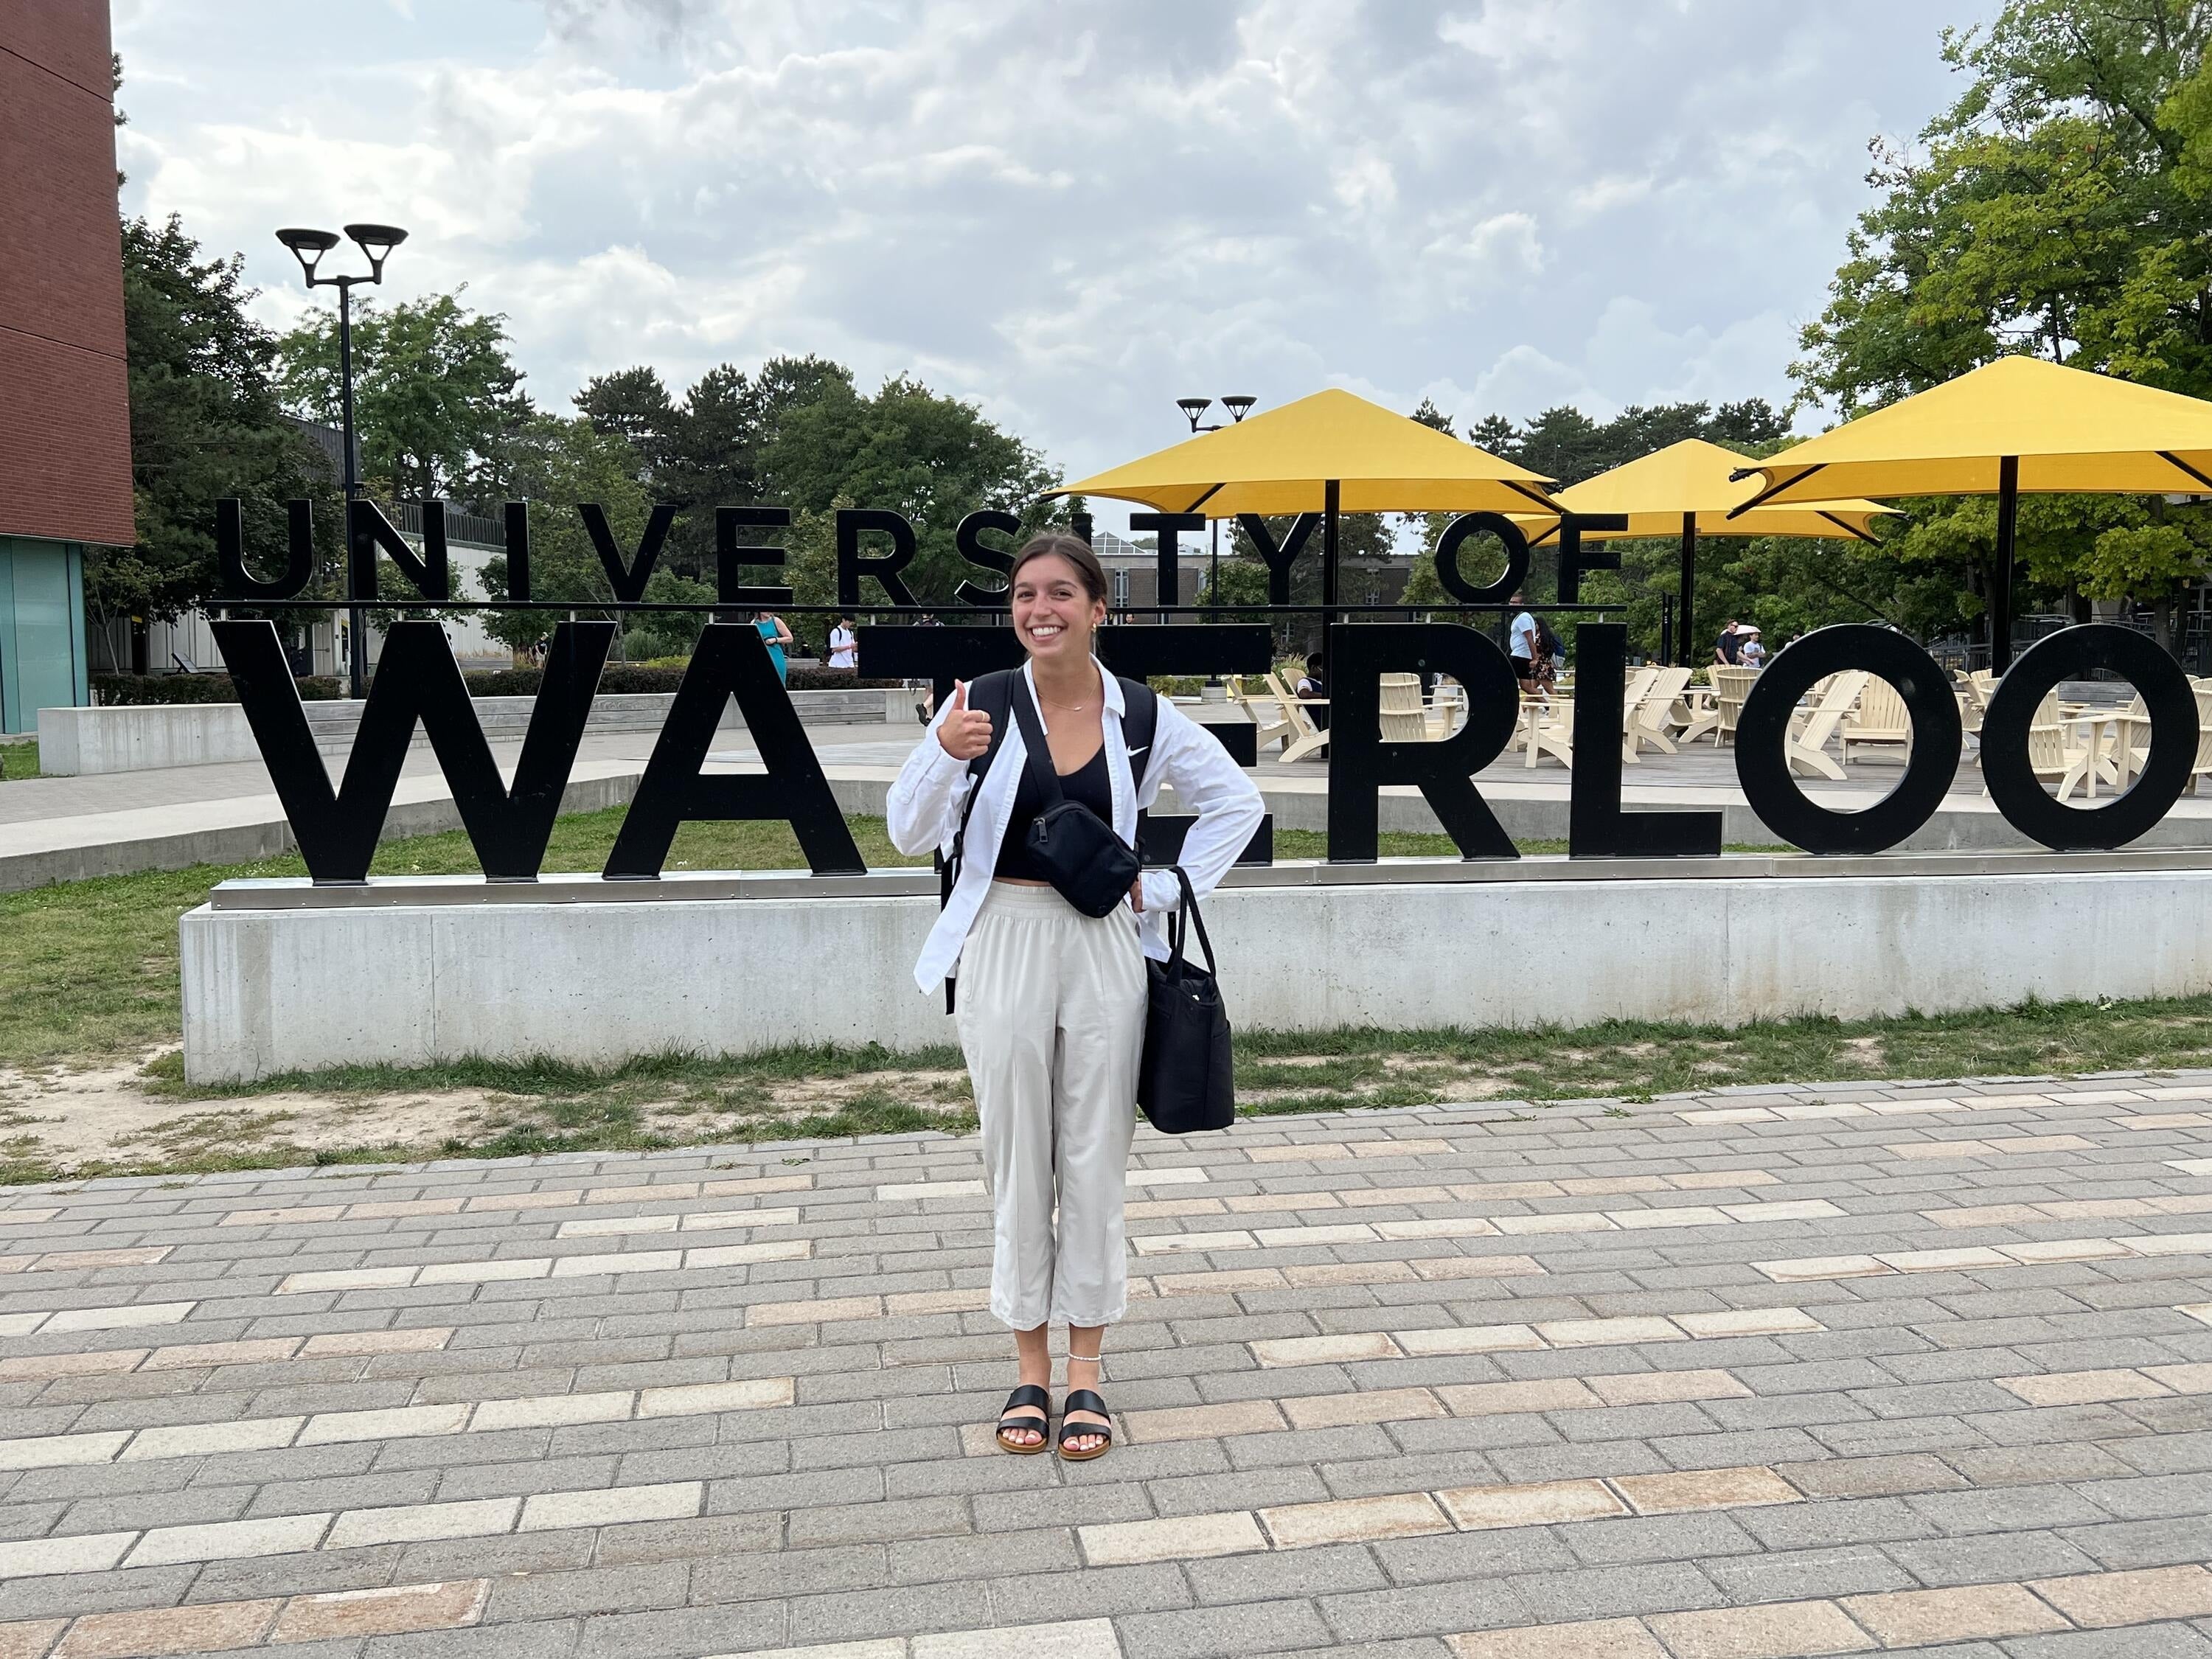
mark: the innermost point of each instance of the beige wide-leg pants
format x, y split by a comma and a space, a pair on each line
1051, 1012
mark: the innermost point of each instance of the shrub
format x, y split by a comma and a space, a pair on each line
147, 690
835, 679
624, 678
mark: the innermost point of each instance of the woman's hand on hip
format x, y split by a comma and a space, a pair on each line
965, 733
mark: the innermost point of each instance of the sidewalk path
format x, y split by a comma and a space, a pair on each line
1785, 1372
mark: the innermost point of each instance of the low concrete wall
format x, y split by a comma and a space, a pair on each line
253, 838
281, 976
79, 742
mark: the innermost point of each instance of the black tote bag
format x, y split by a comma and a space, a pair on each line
1186, 1081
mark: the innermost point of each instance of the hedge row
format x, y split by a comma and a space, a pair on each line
143, 690
622, 679
617, 679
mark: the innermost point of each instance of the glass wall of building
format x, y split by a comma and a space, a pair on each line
42, 661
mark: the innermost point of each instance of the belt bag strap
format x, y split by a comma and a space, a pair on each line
1088, 865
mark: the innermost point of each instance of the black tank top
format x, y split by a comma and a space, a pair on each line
1088, 784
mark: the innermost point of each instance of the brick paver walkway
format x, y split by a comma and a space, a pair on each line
1798, 1372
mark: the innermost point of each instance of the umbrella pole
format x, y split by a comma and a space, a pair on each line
1689, 633
2001, 587
1332, 495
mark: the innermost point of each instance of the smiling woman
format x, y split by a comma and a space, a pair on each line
1053, 980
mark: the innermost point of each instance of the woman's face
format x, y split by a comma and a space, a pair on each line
1054, 612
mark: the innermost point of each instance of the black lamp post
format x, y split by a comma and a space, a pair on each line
1238, 408
309, 246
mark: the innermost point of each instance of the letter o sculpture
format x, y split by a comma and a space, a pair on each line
1516, 558
1762, 765
2006, 767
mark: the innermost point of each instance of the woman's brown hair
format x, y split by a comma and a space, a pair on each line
1058, 543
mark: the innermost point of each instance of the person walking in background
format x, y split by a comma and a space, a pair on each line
779, 641
844, 645
1522, 645
1751, 654
1728, 648
1314, 684
1052, 1000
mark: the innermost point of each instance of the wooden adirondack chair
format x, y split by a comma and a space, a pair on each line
1807, 745
1649, 716
1879, 719
1305, 738
1405, 716
1730, 687
2051, 755
1548, 728
1263, 713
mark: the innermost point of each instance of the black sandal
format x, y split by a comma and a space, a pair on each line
1083, 1399
1031, 1397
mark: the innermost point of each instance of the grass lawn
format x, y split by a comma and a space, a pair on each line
89, 978
19, 760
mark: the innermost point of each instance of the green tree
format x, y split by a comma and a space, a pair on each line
436, 397
2059, 207
205, 423
1244, 582
633, 406
931, 457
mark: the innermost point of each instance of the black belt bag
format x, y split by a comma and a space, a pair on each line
1087, 863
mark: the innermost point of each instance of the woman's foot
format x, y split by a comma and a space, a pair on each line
1074, 1444
1028, 1414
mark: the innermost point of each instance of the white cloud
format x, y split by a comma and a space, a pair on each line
1072, 215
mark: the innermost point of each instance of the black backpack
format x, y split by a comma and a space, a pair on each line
993, 694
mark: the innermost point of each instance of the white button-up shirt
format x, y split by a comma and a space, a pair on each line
925, 807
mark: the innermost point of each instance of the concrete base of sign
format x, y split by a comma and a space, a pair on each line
281, 976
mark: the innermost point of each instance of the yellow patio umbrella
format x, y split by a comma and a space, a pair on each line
2020, 424
1331, 453
1689, 489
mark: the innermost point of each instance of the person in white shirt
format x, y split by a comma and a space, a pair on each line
1051, 1003
1520, 646
843, 643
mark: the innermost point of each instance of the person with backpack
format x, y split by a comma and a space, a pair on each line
1051, 999
1551, 657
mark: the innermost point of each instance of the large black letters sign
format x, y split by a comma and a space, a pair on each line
1762, 767
417, 678
1360, 762
1596, 826
2008, 766
731, 660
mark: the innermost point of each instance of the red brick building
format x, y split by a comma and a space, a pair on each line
64, 408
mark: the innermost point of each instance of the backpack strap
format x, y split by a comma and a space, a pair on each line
1140, 721
993, 694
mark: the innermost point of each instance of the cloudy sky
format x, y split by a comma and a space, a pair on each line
1070, 213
